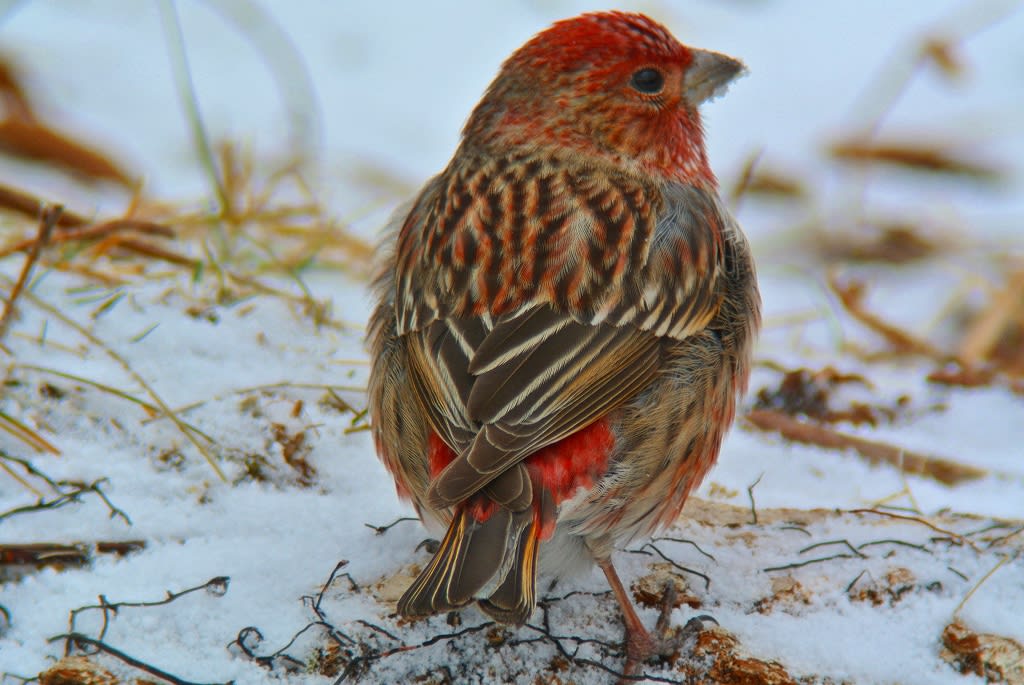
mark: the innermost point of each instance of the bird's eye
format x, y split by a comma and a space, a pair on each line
649, 81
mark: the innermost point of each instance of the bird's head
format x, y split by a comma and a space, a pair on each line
613, 86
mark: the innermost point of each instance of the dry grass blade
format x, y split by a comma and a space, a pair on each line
274, 45
20, 431
187, 96
149, 250
47, 220
21, 481
134, 375
151, 409
745, 177
920, 157
942, 470
970, 593
942, 53
282, 385
851, 297
772, 183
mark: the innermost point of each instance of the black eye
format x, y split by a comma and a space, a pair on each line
648, 81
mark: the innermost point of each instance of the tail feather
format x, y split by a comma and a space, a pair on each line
495, 557
470, 555
514, 599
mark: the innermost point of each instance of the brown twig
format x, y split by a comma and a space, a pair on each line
29, 205
92, 232
942, 470
217, 586
47, 220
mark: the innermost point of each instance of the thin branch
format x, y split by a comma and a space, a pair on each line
675, 564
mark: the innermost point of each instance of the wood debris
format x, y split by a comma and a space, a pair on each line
921, 157
995, 658
24, 135
875, 452
77, 670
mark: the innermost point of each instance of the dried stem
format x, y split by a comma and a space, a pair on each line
48, 218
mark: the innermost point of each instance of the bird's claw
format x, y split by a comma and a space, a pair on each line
665, 641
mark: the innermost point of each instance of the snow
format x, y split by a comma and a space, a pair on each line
394, 81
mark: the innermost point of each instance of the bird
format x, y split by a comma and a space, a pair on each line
563, 319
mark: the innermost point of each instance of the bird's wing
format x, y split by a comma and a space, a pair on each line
527, 382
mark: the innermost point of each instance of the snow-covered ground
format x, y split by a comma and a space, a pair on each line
392, 83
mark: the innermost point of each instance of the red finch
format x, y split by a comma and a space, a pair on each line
564, 318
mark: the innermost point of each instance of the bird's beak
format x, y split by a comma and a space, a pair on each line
709, 75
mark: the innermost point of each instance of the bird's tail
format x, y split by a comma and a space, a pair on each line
489, 553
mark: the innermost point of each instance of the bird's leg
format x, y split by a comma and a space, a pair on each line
640, 644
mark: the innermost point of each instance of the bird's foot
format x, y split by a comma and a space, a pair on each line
664, 642
430, 545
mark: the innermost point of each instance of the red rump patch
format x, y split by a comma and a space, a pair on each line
480, 507
556, 471
568, 465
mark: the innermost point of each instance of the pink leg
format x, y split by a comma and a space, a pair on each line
640, 646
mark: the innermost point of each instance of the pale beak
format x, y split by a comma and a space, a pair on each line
709, 75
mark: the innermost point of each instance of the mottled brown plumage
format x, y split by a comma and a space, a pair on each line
564, 317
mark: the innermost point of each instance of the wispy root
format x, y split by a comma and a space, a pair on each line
78, 642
